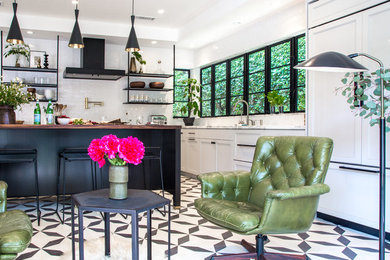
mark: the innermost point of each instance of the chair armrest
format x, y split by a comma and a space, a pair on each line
230, 185
3, 196
299, 192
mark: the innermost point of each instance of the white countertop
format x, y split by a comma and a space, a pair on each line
248, 127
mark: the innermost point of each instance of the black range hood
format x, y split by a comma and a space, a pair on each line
92, 63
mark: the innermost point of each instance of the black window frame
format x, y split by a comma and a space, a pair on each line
174, 90
267, 71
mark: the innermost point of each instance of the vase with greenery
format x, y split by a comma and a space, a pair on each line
19, 50
364, 95
141, 61
192, 107
276, 101
12, 96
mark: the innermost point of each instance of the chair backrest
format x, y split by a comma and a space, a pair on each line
284, 162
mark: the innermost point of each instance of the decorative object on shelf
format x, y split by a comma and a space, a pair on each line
194, 99
36, 58
132, 43
159, 69
19, 50
141, 61
49, 94
32, 92
12, 96
275, 101
137, 84
156, 85
76, 40
119, 152
46, 61
133, 66
337, 62
14, 34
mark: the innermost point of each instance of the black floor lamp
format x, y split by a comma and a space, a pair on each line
337, 62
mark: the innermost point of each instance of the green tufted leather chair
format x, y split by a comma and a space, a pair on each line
15, 228
280, 195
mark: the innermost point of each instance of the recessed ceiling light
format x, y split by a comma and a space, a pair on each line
161, 11
30, 32
154, 42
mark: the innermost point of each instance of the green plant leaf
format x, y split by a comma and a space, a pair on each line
344, 80
362, 113
370, 104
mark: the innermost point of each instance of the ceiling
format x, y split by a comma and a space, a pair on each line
188, 23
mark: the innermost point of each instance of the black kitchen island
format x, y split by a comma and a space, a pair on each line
50, 140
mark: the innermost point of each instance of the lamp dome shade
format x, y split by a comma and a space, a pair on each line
132, 42
332, 62
76, 40
14, 34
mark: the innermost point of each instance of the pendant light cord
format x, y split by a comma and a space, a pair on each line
132, 8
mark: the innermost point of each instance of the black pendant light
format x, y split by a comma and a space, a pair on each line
76, 40
132, 42
14, 34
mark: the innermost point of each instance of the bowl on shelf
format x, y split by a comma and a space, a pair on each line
157, 85
63, 120
137, 84
39, 96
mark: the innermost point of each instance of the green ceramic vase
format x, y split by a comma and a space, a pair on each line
118, 177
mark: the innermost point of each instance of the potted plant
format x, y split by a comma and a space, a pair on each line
141, 61
193, 105
11, 97
275, 100
363, 95
119, 152
18, 50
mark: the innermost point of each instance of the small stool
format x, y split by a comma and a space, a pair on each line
23, 156
70, 155
154, 153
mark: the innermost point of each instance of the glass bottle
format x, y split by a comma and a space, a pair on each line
37, 114
49, 114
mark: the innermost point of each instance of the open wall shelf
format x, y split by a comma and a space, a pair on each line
11, 68
149, 89
149, 75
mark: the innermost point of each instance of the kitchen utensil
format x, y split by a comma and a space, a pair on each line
137, 84
157, 85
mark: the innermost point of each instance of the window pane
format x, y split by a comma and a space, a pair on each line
237, 86
257, 61
220, 107
176, 109
237, 67
220, 72
239, 108
280, 78
180, 92
280, 55
220, 89
206, 76
206, 108
301, 49
286, 94
256, 103
206, 92
301, 99
256, 82
301, 77
180, 75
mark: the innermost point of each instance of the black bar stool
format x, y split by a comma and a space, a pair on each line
15, 155
71, 155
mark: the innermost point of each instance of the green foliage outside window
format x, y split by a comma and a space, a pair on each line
180, 95
206, 91
301, 102
236, 85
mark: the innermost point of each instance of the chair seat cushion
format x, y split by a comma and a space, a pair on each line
15, 232
237, 216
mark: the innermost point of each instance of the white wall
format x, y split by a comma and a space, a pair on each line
73, 91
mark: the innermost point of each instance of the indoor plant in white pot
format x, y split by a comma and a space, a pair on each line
194, 100
19, 50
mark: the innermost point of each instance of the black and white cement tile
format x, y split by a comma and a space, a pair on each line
192, 236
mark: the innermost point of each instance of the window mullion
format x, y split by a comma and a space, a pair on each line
228, 86
267, 78
212, 84
246, 82
293, 75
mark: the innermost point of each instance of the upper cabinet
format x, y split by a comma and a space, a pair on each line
322, 11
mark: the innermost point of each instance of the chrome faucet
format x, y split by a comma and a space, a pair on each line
247, 111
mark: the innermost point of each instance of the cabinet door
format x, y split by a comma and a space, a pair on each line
242, 166
208, 155
183, 154
328, 113
192, 156
376, 43
224, 155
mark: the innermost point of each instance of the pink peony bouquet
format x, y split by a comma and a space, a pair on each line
118, 151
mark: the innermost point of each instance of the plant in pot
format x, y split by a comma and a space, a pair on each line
364, 95
276, 101
19, 50
141, 61
12, 96
194, 100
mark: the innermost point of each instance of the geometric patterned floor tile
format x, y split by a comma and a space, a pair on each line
192, 236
